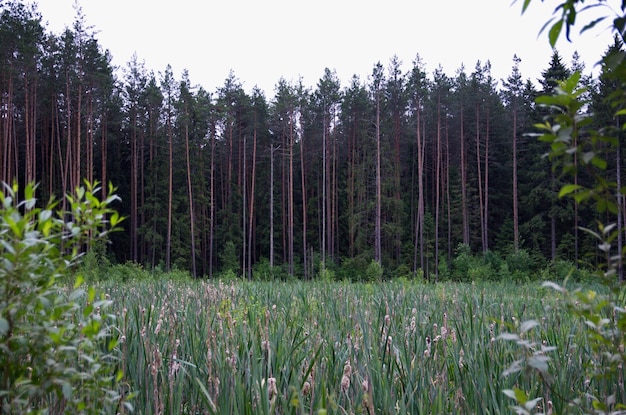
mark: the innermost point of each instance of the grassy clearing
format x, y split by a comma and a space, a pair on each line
392, 348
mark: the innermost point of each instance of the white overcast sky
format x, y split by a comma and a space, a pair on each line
264, 40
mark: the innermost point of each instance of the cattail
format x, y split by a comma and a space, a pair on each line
413, 325
272, 390
345, 379
306, 388
345, 383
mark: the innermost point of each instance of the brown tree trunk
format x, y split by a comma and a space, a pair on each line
252, 198
304, 207
190, 194
437, 186
485, 226
212, 203
170, 189
378, 224
480, 181
515, 195
464, 207
290, 196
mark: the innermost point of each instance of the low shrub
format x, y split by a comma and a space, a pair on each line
59, 347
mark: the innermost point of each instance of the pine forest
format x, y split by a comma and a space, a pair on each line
409, 170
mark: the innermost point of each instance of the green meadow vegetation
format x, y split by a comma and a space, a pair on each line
346, 348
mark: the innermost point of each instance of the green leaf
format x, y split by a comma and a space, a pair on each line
4, 326
67, 390
528, 325
539, 362
508, 336
555, 31
554, 286
531, 404
569, 188
520, 396
599, 162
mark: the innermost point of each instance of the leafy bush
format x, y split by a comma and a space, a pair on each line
574, 146
262, 270
463, 263
58, 346
374, 271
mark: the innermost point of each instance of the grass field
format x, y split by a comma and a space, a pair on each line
305, 348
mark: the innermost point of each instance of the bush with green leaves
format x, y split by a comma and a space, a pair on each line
58, 346
574, 147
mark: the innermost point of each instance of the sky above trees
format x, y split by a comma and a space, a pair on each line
262, 41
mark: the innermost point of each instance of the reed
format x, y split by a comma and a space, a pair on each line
309, 347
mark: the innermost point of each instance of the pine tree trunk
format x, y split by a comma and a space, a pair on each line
191, 202
515, 196
621, 213
437, 186
464, 207
290, 196
170, 191
480, 181
212, 203
304, 208
378, 225
272, 149
485, 227
251, 214
419, 233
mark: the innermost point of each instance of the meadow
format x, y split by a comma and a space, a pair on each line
346, 348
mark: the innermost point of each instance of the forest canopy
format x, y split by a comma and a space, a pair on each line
409, 170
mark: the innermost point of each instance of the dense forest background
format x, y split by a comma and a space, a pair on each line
408, 170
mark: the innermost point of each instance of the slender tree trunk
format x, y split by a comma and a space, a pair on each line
419, 223
77, 168
304, 206
30, 123
553, 218
447, 190
191, 202
7, 134
575, 144
480, 182
252, 197
378, 225
103, 153
244, 211
620, 214
485, 227
515, 196
437, 186
351, 188
170, 191
323, 201
212, 203
133, 182
464, 207
290, 196
272, 149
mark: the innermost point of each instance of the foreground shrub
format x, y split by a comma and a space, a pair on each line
58, 347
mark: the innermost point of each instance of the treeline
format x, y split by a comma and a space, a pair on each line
402, 169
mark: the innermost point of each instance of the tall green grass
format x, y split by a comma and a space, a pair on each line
297, 348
